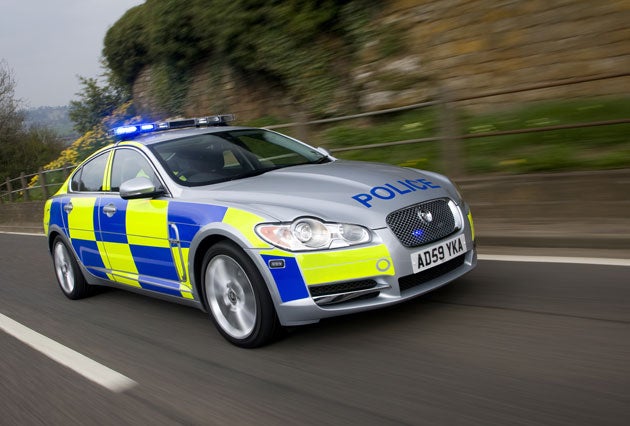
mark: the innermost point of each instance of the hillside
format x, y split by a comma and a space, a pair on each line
325, 58
55, 118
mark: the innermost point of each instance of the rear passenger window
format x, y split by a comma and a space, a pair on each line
89, 177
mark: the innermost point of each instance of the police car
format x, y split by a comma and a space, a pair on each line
258, 229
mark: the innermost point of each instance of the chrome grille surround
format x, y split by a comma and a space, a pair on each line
425, 222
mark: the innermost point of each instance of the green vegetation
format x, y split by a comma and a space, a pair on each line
95, 138
96, 102
21, 149
594, 148
304, 46
600, 147
307, 50
591, 148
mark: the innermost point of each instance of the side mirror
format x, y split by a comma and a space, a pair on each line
140, 187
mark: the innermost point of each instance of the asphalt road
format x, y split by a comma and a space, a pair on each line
509, 344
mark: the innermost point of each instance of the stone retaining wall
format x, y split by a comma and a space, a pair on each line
419, 47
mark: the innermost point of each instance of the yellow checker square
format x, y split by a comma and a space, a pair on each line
147, 223
101, 249
245, 223
81, 234
47, 208
323, 267
81, 219
120, 257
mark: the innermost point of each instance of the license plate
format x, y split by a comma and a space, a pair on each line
438, 253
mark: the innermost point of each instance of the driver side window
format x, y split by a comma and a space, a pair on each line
129, 164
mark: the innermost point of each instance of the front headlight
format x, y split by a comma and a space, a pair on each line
312, 234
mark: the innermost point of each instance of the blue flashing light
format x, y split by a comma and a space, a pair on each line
125, 130
418, 233
130, 131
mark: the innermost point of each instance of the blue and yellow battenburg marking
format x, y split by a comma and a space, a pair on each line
146, 244
301, 270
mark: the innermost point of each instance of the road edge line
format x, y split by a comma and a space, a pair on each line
555, 259
81, 364
29, 234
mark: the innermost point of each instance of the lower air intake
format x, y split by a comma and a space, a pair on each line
327, 289
410, 281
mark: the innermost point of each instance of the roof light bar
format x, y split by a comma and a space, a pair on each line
133, 130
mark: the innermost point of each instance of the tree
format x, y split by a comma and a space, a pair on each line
21, 150
11, 119
125, 47
95, 103
306, 47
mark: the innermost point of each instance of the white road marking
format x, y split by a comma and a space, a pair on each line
556, 259
30, 234
81, 364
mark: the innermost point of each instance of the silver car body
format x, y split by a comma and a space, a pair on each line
305, 286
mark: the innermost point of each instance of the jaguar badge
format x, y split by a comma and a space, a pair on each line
425, 216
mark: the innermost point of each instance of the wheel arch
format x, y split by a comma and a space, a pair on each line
196, 263
55, 232
208, 237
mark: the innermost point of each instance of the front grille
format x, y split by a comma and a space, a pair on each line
326, 289
413, 280
413, 231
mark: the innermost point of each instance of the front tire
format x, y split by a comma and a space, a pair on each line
69, 276
237, 297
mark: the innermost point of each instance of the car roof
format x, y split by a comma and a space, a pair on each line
167, 135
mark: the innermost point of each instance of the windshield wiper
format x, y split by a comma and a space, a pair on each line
322, 160
254, 173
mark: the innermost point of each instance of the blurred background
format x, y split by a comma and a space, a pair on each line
476, 68
472, 89
525, 104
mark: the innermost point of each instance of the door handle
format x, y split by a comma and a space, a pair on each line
109, 210
68, 207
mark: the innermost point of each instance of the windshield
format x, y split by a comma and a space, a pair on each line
220, 156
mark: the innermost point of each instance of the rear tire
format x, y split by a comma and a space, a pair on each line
67, 271
237, 298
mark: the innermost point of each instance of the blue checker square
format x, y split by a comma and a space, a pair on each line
88, 253
289, 279
114, 228
154, 262
195, 214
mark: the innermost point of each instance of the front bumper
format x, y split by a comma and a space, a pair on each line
378, 276
305, 311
